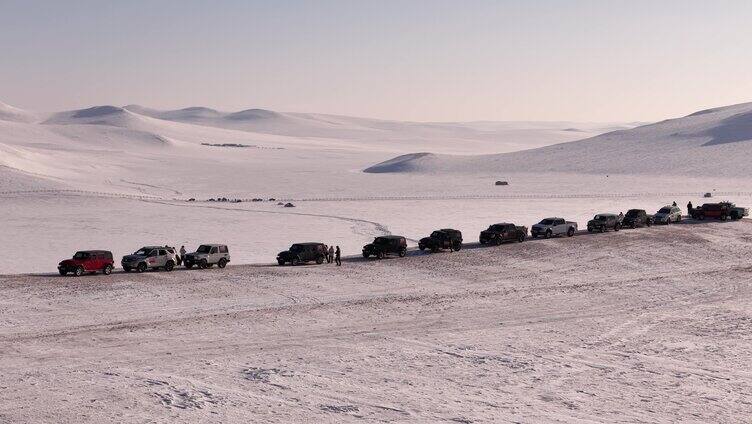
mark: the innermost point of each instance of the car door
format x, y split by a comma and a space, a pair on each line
162, 258
214, 255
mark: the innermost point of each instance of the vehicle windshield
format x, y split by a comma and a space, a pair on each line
143, 252
380, 240
437, 234
547, 222
601, 218
496, 227
632, 213
81, 255
296, 248
203, 249
665, 210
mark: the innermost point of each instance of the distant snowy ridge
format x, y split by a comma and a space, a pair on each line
713, 142
14, 114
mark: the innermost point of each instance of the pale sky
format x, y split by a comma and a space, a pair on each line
410, 60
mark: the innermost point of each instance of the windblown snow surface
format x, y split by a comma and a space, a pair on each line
649, 325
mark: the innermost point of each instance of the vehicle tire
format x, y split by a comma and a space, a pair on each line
380, 255
549, 234
107, 269
497, 241
366, 255
79, 271
421, 247
570, 232
280, 262
589, 230
141, 267
169, 266
521, 238
434, 249
633, 225
402, 253
482, 241
127, 269
319, 260
648, 223
617, 227
62, 272
223, 263
458, 247
668, 221
188, 265
295, 261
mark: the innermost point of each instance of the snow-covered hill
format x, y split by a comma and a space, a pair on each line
14, 114
714, 142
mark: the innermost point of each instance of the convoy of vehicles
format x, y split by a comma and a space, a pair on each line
208, 255
637, 218
550, 227
300, 253
87, 261
504, 232
446, 238
385, 245
604, 222
667, 215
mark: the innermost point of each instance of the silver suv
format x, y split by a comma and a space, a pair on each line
667, 215
207, 255
150, 257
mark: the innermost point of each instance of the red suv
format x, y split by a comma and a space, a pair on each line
87, 261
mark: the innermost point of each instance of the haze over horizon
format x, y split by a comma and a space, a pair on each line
420, 61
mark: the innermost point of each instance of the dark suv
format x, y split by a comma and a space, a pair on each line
500, 233
446, 238
300, 253
87, 261
604, 222
384, 245
637, 218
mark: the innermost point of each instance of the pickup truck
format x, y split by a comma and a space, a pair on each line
550, 227
500, 233
722, 211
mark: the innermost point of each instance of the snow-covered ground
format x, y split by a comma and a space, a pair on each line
648, 325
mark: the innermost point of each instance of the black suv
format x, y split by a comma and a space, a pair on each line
637, 218
446, 238
302, 253
603, 222
500, 233
384, 245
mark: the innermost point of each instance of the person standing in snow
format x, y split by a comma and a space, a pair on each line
181, 258
674, 204
621, 217
337, 256
689, 207
330, 256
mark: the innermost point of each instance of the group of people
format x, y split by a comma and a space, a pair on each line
334, 255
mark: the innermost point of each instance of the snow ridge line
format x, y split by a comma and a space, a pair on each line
512, 196
79, 193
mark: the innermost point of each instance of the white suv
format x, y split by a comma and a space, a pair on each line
207, 255
667, 215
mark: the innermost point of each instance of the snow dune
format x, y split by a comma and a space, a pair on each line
714, 142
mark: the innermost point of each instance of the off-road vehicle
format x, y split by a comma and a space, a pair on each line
300, 253
637, 218
87, 261
446, 238
385, 245
150, 257
604, 222
500, 233
208, 255
722, 211
549, 227
667, 215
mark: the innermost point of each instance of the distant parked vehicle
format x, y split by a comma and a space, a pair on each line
722, 211
384, 245
150, 257
208, 255
604, 222
500, 233
87, 261
667, 215
300, 253
707, 195
446, 238
550, 227
637, 218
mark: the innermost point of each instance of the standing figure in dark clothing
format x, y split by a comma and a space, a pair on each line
337, 257
689, 207
330, 255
